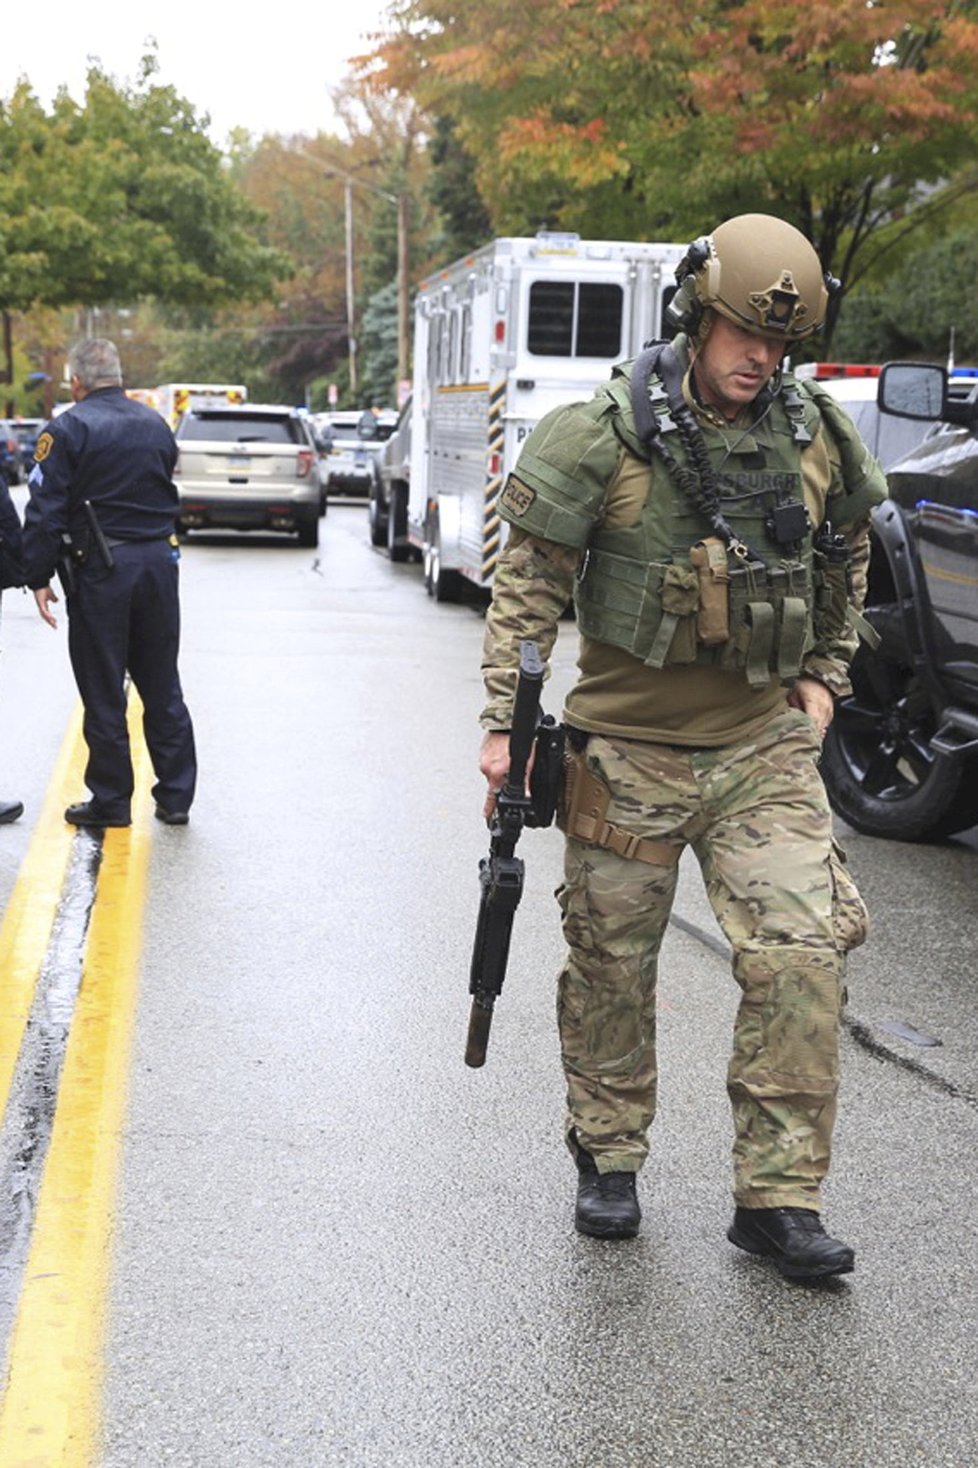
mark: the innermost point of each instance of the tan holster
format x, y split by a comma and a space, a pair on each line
582, 815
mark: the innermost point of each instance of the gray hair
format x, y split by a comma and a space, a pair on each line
95, 362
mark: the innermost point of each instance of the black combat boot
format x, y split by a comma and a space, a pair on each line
607, 1207
794, 1238
87, 813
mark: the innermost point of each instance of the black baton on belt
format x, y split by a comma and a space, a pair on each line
98, 539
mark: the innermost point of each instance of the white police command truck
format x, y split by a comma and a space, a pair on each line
501, 337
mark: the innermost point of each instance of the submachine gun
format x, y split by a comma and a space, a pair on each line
501, 872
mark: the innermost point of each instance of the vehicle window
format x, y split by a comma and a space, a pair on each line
887, 437
465, 344
451, 343
220, 428
434, 347
665, 329
897, 438
574, 319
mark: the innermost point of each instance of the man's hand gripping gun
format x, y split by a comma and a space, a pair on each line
501, 872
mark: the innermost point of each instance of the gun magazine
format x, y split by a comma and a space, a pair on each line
477, 1040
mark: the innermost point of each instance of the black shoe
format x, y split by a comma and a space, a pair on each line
172, 817
607, 1207
10, 810
87, 813
794, 1238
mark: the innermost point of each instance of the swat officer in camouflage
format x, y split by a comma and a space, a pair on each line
710, 517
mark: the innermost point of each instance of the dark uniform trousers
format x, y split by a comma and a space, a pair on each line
128, 617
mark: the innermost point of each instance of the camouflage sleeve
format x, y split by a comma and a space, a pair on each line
533, 582
830, 663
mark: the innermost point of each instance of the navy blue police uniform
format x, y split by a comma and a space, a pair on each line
118, 456
11, 541
11, 574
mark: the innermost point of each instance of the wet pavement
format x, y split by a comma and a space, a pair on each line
338, 1245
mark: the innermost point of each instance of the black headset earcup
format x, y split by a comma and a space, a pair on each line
684, 311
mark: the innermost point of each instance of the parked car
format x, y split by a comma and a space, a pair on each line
11, 457
321, 445
248, 467
352, 454
26, 431
901, 757
389, 490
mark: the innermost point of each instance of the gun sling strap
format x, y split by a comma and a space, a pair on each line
583, 816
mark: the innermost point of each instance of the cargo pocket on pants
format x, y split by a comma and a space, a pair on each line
850, 918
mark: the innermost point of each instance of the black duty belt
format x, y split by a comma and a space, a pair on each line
112, 541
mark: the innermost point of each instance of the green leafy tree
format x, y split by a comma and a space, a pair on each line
378, 348
634, 120
122, 198
925, 308
454, 194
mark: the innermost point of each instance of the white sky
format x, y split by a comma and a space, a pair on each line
250, 64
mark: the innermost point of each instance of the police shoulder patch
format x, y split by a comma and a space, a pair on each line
517, 497
44, 446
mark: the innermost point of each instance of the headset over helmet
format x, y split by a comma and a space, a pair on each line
758, 271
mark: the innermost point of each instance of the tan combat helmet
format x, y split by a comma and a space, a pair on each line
758, 271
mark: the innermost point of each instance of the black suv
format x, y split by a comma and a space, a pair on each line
901, 757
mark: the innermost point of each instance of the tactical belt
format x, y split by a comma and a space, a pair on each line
583, 817
115, 540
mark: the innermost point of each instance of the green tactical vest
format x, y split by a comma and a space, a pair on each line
663, 588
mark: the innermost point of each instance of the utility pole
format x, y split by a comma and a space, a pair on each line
401, 200
403, 340
351, 339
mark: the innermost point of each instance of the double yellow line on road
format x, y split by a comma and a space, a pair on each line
50, 1408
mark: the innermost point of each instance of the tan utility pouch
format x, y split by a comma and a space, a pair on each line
582, 815
709, 557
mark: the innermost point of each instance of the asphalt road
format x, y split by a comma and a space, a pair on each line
334, 1243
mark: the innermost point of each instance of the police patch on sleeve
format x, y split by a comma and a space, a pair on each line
44, 446
517, 497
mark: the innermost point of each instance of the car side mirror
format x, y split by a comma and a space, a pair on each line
913, 390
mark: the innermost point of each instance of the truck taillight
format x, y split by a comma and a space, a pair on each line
303, 464
495, 464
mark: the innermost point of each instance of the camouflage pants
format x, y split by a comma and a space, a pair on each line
757, 818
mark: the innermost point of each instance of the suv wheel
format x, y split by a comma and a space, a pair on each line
397, 542
377, 514
308, 532
882, 773
441, 584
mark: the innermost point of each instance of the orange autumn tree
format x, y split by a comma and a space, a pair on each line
855, 119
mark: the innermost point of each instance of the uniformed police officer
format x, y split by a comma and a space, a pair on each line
103, 478
710, 517
11, 574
